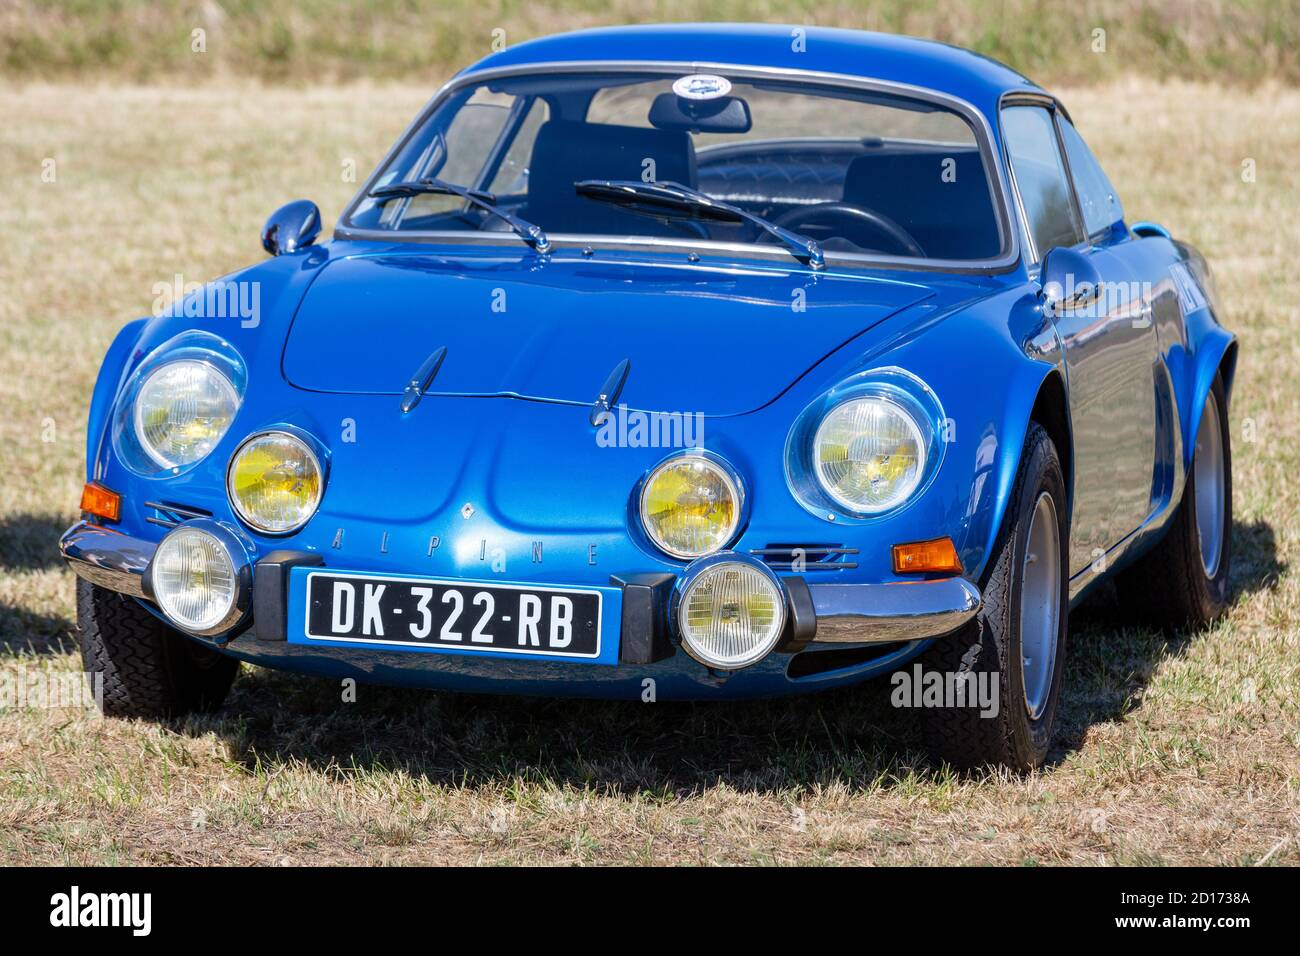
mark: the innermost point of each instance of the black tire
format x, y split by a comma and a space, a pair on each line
989, 648
149, 670
1168, 586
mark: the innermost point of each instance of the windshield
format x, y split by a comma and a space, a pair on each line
858, 172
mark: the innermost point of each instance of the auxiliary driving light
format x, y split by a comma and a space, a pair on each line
730, 612
200, 578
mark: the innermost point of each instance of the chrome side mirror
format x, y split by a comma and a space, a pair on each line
1070, 282
292, 227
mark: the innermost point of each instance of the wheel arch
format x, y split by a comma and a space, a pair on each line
1052, 411
1216, 354
1036, 393
1228, 367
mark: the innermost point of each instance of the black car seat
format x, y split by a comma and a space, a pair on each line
566, 152
950, 218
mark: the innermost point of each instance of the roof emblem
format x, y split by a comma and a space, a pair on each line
702, 86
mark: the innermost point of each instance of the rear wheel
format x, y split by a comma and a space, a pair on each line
149, 670
1015, 647
1183, 580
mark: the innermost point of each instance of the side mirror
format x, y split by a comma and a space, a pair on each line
291, 227
1070, 282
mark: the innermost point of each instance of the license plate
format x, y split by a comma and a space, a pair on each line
555, 622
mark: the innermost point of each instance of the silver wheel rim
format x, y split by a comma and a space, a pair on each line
1040, 605
1208, 470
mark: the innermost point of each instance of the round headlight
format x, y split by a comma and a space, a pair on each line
730, 615
195, 581
274, 482
690, 506
869, 454
182, 411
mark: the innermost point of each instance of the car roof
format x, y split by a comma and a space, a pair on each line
879, 56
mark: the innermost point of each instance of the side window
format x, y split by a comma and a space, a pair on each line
1040, 177
1097, 198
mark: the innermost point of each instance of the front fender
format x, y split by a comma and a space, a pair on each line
108, 382
997, 463
987, 362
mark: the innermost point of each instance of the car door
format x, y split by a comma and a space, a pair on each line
1109, 348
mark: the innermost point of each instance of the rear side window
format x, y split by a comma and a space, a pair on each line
1040, 177
1097, 198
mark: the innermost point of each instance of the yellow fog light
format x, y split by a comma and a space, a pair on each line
690, 506
274, 482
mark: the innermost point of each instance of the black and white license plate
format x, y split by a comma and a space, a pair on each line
421, 611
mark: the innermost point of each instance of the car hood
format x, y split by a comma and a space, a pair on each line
716, 341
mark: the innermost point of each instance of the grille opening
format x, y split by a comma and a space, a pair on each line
811, 663
169, 515
808, 557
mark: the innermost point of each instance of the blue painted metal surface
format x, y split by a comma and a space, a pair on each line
501, 454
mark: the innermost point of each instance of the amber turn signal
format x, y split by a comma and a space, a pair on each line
98, 500
936, 555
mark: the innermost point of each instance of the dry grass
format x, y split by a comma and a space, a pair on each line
1171, 752
301, 42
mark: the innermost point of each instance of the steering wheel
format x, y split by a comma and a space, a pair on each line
843, 219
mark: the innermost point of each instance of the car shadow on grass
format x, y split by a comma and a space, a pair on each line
31, 542
1111, 660
850, 738
29, 633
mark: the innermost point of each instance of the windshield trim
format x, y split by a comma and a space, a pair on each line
1007, 260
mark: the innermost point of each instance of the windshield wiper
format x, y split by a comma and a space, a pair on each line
628, 193
481, 198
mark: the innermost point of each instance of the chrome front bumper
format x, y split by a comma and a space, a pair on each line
844, 614
106, 557
898, 611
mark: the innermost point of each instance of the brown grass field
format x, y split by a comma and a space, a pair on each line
307, 41
1183, 750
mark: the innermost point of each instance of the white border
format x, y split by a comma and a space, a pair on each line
455, 583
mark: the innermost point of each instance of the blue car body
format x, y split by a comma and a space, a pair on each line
495, 476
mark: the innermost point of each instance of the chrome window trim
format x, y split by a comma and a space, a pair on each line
986, 141
1034, 256
1098, 236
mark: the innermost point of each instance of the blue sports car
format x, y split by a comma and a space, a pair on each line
679, 362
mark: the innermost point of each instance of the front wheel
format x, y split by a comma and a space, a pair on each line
148, 669
1010, 659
